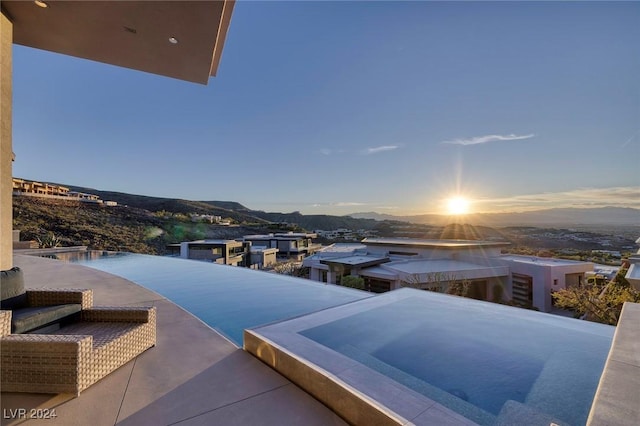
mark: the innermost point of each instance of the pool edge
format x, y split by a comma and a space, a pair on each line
620, 380
346, 401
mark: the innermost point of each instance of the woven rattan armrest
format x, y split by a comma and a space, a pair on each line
38, 342
5, 323
45, 363
48, 297
119, 314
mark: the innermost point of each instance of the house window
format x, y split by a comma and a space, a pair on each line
402, 253
522, 288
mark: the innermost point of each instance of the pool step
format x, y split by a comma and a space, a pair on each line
516, 413
445, 398
550, 393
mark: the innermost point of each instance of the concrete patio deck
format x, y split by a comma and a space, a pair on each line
193, 376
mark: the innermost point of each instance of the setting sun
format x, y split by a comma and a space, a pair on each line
458, 205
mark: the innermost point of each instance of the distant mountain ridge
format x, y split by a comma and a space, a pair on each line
543, 217
227, 209
231, 209
366, 220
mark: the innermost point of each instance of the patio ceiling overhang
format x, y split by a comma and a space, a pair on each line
178, 39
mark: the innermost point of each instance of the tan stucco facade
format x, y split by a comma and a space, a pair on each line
6, 184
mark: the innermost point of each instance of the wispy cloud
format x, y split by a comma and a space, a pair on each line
366, 151
623, 196
329, 151
339, 204
383, 148
488, 138
628, 141
347, 204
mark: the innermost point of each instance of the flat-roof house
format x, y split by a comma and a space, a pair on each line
390, 263
22, 186
263, 257
290, 245
534, 279
633, 274
224, 252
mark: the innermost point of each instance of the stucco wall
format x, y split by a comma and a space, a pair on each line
6, 184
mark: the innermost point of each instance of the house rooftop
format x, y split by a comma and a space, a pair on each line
281, 236
358, 261
443, 244
422, 266
215, 241
546, 261
342, 248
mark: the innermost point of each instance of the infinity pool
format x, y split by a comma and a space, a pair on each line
227, 298
475, 358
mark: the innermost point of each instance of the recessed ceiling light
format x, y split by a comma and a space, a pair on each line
41, 3
173, 40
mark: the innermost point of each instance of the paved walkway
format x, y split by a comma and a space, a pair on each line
193, 376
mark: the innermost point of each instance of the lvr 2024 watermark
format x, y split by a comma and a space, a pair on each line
29, 413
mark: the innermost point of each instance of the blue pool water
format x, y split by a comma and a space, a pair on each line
475, 356
229, 299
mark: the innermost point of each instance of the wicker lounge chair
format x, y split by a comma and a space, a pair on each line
89, 345
41, 308
78, 355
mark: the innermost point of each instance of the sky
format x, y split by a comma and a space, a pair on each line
341, 107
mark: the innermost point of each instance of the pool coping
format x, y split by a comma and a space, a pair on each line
617, 399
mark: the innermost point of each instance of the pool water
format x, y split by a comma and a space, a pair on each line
474, 357
227, 298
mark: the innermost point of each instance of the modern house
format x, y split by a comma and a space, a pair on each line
22, 186
633, 274
254, 251
224, 252
390, 263
262, 257
290, 245
346, 234
83, 196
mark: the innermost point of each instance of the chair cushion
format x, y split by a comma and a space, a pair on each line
12, 293
28, 319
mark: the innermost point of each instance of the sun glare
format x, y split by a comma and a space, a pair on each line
458, 205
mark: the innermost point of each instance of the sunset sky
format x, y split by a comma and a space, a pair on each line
341, 107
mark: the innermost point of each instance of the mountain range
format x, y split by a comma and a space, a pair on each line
366, 220
547, 217
229, 209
